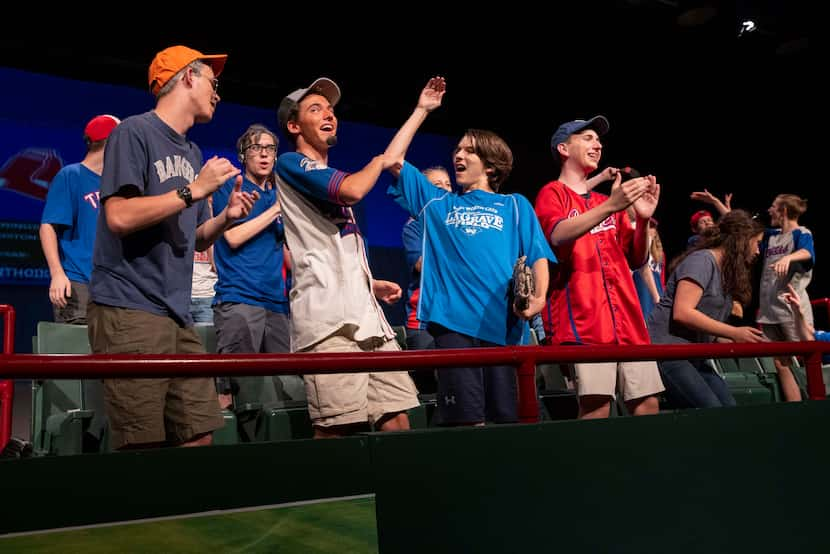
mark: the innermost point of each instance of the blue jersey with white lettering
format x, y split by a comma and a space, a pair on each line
471, 242
252, 273
72, 208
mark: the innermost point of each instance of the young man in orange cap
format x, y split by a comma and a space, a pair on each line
67, 228
153, 191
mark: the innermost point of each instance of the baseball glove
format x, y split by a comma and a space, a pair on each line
522, 284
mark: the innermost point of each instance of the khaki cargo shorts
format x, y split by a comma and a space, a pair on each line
345, 398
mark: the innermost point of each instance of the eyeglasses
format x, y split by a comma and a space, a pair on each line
214, 82
257, 148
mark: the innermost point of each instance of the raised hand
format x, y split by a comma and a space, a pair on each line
624, 194
432, 94
709, 198
647, 202
240, 203
792, 300
213, 175
704, 196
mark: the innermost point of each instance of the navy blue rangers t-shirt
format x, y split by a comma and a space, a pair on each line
150, 269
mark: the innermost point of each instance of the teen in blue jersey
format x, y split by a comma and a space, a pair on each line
67, 235
250, 308
471, 242
67, 229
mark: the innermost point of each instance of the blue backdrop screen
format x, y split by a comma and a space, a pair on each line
41, 130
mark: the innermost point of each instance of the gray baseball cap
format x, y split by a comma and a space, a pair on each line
323, 86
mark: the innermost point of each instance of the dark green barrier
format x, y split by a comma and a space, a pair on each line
730, 480
43, 493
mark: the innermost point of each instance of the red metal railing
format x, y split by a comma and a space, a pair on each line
7, 386
524, 357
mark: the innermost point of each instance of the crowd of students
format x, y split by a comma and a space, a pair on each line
290, 273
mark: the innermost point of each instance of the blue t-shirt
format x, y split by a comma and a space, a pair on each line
472, 241
412, 238
150, 269
823, 336
252, 274
72, 207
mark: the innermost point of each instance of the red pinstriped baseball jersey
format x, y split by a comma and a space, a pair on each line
593, 299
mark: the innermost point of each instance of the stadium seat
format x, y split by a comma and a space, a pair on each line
59, 414
748, 380
227, 434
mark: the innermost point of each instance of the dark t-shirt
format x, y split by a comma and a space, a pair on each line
700, 267
150, 269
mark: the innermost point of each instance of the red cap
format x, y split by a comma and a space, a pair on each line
696, 217
100, 127
171, 60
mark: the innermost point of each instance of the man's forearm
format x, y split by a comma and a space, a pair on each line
128, 215
568, 230
49, 243
541, 277
210, 230
639, 247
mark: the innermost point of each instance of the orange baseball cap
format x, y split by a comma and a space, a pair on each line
171, 60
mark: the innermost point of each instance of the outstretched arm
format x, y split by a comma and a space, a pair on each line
430, 99
606, 174
685, 312
242, 233
239, 206
709, 198
357, 185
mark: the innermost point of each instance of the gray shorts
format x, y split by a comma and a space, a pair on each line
74, 312
246, 329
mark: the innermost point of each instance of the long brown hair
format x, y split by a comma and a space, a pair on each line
494, 154
732, 234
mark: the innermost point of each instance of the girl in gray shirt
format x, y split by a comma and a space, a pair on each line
697, 302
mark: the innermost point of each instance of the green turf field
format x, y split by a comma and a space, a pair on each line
338, 526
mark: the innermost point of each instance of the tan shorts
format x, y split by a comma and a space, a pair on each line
152, 410
635, 379
344, 398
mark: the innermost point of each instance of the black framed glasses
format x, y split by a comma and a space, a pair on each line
257, 148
